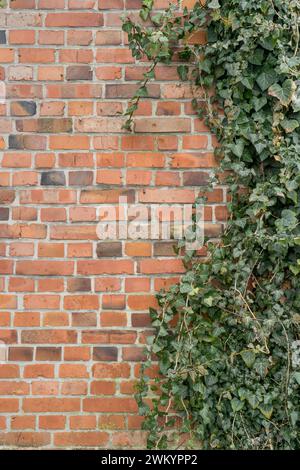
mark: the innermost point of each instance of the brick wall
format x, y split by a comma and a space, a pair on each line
73, 310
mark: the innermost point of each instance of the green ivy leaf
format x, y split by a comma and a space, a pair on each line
266, 79
236, 405
248, 358
238, 148
297, 377
285, 93
289, 125
183, 72
266, 410
214, 4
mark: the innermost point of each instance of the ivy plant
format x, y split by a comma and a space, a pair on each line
226, 338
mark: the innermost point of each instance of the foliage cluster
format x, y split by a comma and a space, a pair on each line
228, 363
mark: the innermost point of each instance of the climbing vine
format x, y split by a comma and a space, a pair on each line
227, 337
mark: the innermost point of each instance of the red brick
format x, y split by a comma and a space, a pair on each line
51, 37
115, 405
82, 422
22, 422
45, 268
40, 405
111, 370
161, 266
34, 56
21, 37
90, 439
74, 19
52, 422
81, 302
25, 439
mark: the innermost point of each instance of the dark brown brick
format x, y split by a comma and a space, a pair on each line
164, 248
109, 249
79, 72
213, 230
53, 178
105, 354
139, 320
4, 213
195, 178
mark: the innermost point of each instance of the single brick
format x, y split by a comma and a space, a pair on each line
105, 354
16, 142
23, 108
71, 20
48, 354
20, 354
195, 178
7, 196
109, 249
4, 213
84, 319
79, 285
2, 37
53, 178
80, 178
79, 72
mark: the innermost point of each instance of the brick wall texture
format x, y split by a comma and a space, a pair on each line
74, 309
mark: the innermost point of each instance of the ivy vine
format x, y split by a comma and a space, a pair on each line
227, 337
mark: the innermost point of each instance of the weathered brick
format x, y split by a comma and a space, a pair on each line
79, 72
105, 354
80, 178
109, 249
53, 178
23, 108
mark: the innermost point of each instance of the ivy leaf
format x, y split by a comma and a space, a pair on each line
248, 358
266, 410
142, 92
297, 377
260, 147
257, 57
266, 79
285, 93
208, 301
259, 103
236, 404
214, 4
294, 417
183, 72
156, 348
295, 269
253, 401
289, 218
238, 148
289, 125
144, 14
296, 101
